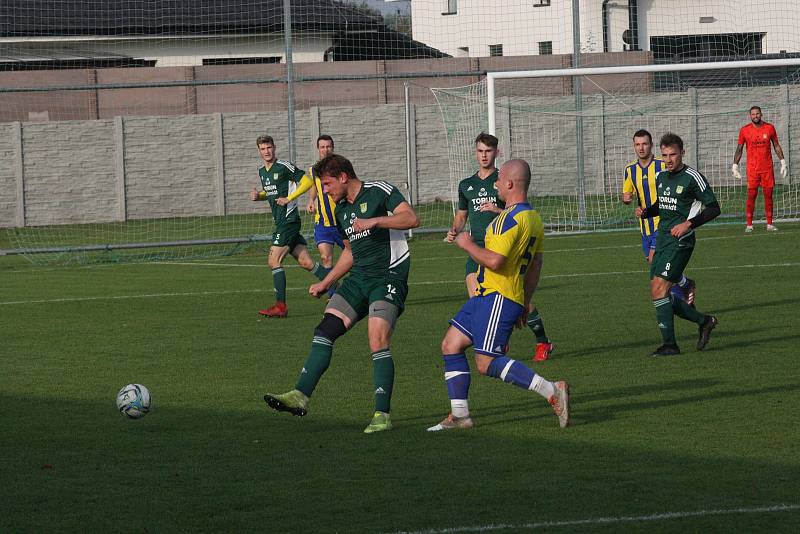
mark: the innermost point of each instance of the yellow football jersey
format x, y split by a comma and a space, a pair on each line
325, 204
642, 181
517, 233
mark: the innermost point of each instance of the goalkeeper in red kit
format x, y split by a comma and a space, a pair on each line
759, 136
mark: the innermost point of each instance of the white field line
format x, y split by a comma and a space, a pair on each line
263, 265
611, 520
425, 283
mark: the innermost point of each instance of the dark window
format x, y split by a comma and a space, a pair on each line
452, 7
61, 64
495, 50
241, 60
545, 48
541, 3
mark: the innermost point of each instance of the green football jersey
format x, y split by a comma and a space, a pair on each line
279, 181
377, 251
473, 192
681, 196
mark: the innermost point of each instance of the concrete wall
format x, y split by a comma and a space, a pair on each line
155, 167
8, 174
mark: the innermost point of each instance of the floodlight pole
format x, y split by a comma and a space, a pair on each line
287, 38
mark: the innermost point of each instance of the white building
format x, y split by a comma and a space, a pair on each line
686, 28
50, 34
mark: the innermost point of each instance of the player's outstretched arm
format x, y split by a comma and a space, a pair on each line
342, 266
403, 218
312, 200
646, 213
459, 222
256, 195
483, 256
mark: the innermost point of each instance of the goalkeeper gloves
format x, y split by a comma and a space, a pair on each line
735, 171
784, 169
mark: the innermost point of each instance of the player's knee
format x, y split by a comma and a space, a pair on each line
274, 260
331, 327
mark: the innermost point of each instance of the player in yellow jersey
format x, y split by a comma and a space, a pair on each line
508, 273
323, 207
640, 181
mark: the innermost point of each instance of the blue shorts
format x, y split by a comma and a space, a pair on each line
488, 321
327, 234
649, 243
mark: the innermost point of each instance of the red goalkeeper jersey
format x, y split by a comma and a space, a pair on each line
759, 146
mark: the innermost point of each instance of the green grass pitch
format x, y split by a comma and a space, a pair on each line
702, 442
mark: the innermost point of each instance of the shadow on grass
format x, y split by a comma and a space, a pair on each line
70, 465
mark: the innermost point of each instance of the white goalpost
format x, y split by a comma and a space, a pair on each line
579, 141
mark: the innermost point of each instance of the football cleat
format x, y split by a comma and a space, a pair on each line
709, 323
452, 422
543, 352
689, 291
560, 403
771, 228
748, 229
380, 421
278, 309
295, 402
666, 350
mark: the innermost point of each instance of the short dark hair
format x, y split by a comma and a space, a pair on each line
643, 133
265, 140
755, 107
487, 139
324, 137
334, 165
670, 139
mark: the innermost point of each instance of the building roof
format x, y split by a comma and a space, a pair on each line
60, 18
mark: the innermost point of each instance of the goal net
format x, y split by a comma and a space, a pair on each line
579, 145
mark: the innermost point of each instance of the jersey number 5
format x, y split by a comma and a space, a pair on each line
526, 258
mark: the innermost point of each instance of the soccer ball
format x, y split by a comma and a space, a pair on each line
134, 401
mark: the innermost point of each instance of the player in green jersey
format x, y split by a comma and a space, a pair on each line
372, 218
278, 180
685, 202
479, 204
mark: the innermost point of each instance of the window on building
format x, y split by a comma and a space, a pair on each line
495, 50
463, 51
451, 7
541, 3
241, 60
545, 48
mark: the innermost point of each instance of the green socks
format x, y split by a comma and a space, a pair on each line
319, 271
383, 378
279, 281
666, 321
537, 326
684, 311
316, 364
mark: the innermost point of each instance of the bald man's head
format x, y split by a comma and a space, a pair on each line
519, 172
513, 181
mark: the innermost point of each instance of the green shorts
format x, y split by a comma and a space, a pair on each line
361, 291
471, 266
670, 260
288, 235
